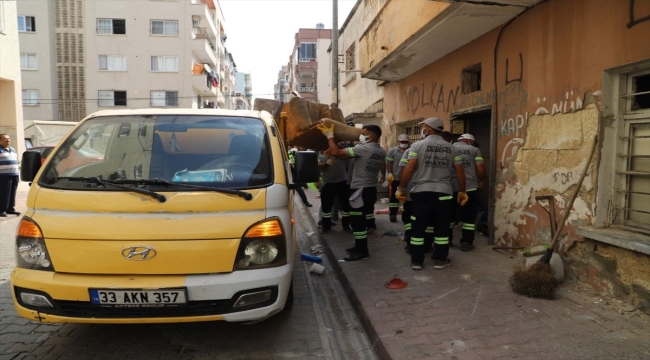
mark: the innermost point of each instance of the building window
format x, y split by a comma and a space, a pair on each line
471, 79
164, 63
112, 62
111, 98
164, 27
28, 62
350, 54
111, 26
26, 23
307, 52
633, 164
412, 128
164, 98
30, 97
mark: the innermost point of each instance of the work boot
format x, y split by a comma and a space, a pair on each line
393, 218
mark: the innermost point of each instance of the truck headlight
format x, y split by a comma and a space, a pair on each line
31, 252
263, 245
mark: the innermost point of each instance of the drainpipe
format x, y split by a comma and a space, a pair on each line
335, 51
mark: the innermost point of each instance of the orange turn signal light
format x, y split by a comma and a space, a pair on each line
265, 229
28, 228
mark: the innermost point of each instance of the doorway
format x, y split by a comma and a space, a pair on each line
478, 122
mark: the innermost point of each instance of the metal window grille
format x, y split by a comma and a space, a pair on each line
104, 26
164, 27
633, 171
410, 128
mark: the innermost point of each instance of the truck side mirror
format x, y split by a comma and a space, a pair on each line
306, 167
30, 165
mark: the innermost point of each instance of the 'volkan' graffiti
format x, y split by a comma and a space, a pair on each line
421, 97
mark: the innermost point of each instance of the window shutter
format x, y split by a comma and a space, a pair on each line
157, 27
119, 26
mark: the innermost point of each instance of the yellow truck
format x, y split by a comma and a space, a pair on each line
165, 215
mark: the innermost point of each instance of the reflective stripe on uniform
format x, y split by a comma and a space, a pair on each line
429, 230
446, 197
467, 226
356, 213
351, 152
407, 226
417, 241
327, 215
468, 190
441, 240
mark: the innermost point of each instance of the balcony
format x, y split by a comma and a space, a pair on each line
202, 48
306, 89
202, 86
202, 10
426, 31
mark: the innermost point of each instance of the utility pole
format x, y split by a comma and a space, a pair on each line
335, 51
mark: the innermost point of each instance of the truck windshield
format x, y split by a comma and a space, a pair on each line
206, 151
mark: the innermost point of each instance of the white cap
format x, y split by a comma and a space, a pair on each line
434, 123
466, 137
403, 137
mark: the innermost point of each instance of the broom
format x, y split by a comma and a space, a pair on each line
538, 280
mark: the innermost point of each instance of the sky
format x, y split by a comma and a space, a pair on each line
261, 33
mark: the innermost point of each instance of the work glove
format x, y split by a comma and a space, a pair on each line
391, 178
327, 131
331, 161
462, 198
400, 194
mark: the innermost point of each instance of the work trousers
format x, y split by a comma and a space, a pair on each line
430, 209
8, 186
393, 204
328, 193
360, 220
406, 219
468, 214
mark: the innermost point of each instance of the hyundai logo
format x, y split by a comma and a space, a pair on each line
139, 253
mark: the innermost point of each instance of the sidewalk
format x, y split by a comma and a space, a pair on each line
467, 311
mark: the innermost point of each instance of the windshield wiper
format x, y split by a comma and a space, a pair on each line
118, 184
157, 181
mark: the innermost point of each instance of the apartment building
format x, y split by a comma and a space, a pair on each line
96, 55
243, 91
309, 62
534, 90
282, 89
11, 111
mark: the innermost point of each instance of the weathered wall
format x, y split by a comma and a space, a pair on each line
545, 90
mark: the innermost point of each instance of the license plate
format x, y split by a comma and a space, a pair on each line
138, 298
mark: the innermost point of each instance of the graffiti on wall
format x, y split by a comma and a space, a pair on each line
434, 96
521, 70
388, 134
635, 18
563, 102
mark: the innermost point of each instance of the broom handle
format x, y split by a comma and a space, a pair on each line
567, 211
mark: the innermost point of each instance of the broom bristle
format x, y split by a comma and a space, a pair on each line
536, 282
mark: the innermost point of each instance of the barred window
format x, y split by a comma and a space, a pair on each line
164, 27
350, 63
164, 63
164, 98
111, 26
633, 167
111, 98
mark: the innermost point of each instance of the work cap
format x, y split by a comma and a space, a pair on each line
403, 137
434, 123
466, 137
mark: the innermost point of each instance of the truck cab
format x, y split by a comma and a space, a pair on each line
181, 215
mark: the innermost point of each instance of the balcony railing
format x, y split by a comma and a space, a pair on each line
306, 89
